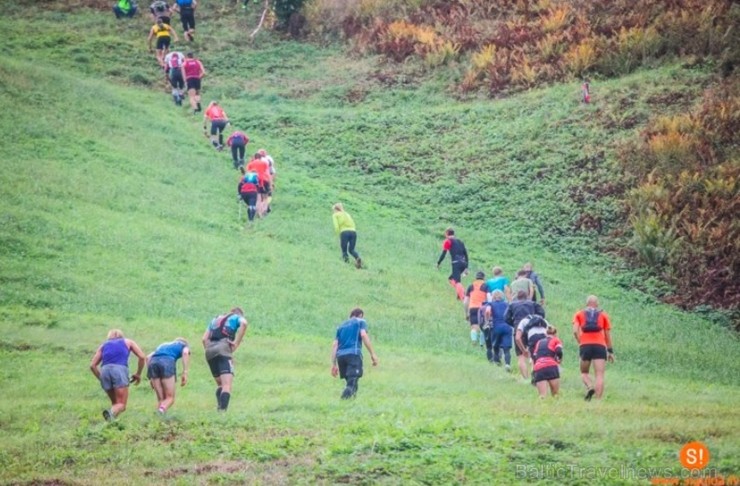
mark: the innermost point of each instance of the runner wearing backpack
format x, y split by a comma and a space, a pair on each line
164, 35
173, 69
223, 336
238, 142
520, 308
248, 190
264, 188
458, 258
475, 296
187, 16
535, 279
592, 330
547, 355
160, 10
193, 71
217, 116
495, 313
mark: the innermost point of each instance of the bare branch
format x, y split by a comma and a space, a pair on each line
262, 19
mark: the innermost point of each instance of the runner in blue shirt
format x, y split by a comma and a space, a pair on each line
346, 352
162, 371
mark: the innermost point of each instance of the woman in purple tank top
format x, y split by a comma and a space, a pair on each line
110, 366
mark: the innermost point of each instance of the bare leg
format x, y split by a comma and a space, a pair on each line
157, 387
599, 366
542, 388
554, 386
585, 368
168, 393
523, 364
111, 395
121, 399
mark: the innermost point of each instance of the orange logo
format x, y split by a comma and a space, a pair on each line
694, 455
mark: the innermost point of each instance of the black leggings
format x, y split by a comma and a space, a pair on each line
250, 199
347, 241
237, 153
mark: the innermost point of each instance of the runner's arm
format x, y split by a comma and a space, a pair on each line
577, 331
240, 333
95, 362
206, 337
518, 339
174, 34
368, 344
149, 39
142, 359
185, 365
538, 283
609, 349
334, 368
441, 257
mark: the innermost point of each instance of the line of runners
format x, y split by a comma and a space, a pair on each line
503, 313
186, 72
500, 314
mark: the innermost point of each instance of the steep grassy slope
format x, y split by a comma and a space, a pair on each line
115, 213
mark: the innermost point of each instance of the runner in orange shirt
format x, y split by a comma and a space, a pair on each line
592, 330
219, 120
262, 168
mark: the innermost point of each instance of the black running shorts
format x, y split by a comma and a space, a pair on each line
193, 83
546, 374
589, 352
163, 43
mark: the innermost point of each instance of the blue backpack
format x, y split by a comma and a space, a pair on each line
251, 177
185, 3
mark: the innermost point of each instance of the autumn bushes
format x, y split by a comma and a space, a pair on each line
685, 205
506, 44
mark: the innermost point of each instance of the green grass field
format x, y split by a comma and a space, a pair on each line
116, 212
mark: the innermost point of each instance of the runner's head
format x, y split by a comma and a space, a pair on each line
551, 331
527, 267
449, 232
497, 271
159, 22
338, 207
356, 312
115, 334
521, 273
480, 275
497, 295
592, 301
262, 152
237, 310
190, 55
521, 295
183, 341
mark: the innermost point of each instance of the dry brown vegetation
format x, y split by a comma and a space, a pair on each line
516, 44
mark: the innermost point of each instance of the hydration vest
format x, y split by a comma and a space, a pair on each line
251, 178
191, 67
221, 331
161, 31
175, 62
477, 296
592, 320
457, 251
534, 321
542, 349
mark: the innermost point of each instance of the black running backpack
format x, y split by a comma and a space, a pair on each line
592, 320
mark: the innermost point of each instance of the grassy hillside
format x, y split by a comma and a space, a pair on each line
116, 213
